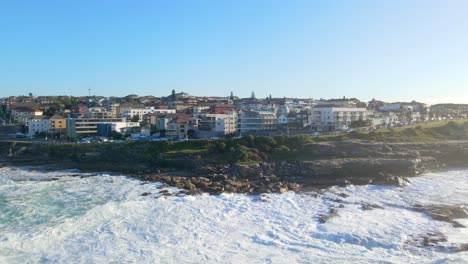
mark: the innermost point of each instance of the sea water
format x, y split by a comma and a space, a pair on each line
72, 217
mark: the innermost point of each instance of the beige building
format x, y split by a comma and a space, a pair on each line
221, 124
58, 124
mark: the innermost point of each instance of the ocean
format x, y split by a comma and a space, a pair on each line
74, 217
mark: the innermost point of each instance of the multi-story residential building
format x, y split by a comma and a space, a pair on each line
300, 119
256, 121
21, 114
163, 120
201, 108
77, 127
58, 124
219, 124
330, 118
344, 102
98, 112
398, 107
38, 124
180, 126
130, 112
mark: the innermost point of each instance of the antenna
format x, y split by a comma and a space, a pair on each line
89, 91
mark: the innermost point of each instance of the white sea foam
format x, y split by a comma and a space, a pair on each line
105, 219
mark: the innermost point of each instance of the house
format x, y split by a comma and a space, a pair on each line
80, 110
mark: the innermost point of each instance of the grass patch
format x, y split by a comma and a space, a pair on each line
187, 151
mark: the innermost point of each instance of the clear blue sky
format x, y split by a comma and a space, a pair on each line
391, 50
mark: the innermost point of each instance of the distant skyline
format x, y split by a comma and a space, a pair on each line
389, 50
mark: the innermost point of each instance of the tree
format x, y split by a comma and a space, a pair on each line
292, 113
409, 116
173, 95
424, 113
252, 95
116, 135
30, 94
135, 118
231, 96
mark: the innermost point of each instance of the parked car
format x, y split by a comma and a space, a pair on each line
20, 135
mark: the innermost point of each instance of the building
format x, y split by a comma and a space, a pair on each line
218, 124
344, 103
222, 108
181, 126
163, 120
300, 119
80, 110
105, 130
131, 112
256, 121
201, 108
99, 112
77, 127
282, 120
331, 118
58, 124
405, 107
22, 114
38, 124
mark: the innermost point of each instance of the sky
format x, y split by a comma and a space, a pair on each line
392, 50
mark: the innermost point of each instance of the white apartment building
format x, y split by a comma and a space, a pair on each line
130, 112
344, 103
329, 118
38, 124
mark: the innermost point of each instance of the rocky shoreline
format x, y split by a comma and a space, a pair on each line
327, 164
356, 163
